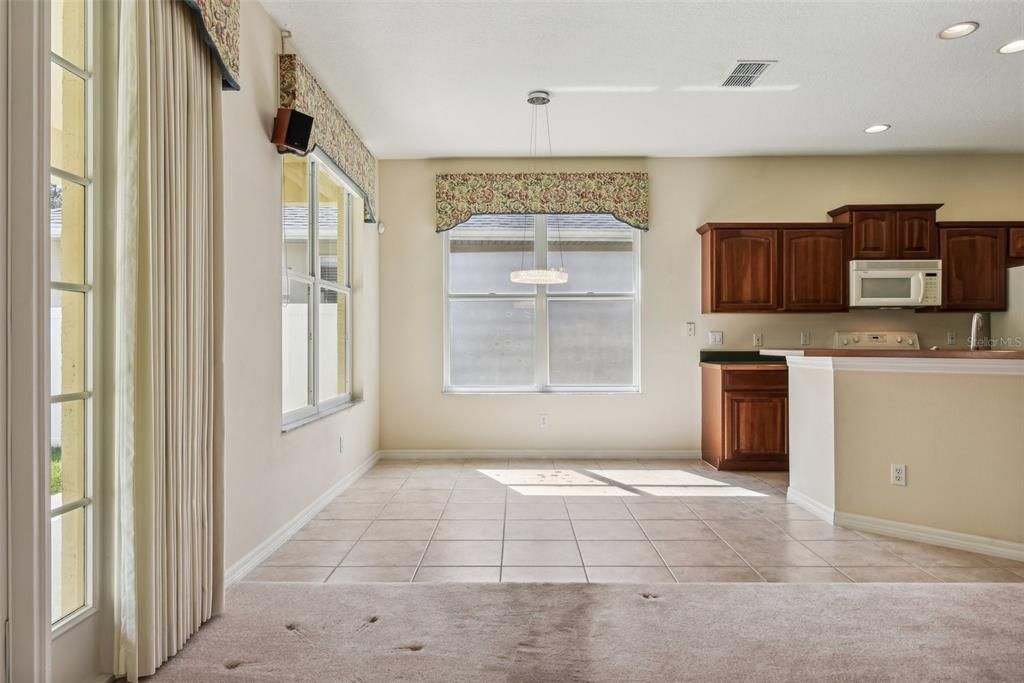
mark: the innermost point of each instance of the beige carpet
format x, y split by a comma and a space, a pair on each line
578, 632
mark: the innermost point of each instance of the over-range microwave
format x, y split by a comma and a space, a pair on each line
895, 284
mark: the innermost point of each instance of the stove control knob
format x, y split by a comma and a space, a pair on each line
899, 340
845, 341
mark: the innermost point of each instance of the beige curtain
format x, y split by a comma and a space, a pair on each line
168, 517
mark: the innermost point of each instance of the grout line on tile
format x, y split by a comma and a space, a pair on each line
363, 532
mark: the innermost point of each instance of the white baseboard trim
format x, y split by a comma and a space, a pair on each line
255, 557
502, 454
925, 534
819, 510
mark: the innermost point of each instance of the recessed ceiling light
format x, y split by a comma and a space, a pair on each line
1012, 46
878, 128
964, 28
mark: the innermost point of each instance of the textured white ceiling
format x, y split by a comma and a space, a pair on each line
441, 79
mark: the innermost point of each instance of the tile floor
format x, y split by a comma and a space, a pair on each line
597, 521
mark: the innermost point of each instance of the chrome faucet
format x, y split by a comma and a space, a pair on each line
979, 339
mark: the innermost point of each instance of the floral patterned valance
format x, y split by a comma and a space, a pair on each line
332, 132
219, 21
460, 195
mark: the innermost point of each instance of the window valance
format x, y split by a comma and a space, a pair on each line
461, 195
219, 22
332, 133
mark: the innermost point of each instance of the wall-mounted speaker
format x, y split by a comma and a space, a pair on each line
291, 131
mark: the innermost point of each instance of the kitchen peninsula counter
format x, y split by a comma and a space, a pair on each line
954, 419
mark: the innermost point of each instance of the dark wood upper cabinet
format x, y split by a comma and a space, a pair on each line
874, 234
973, 268
890, 231
814, 269
1016, 238
740, 270
916, 235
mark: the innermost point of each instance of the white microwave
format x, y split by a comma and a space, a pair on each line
895, 284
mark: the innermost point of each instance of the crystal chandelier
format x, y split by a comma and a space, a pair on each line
539, 276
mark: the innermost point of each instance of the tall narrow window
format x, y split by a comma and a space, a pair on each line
319, 209
581, 336
71, 309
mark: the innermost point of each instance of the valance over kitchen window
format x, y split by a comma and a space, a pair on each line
461, 195
219, 24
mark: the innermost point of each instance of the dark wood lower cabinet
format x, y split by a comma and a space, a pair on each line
745, 418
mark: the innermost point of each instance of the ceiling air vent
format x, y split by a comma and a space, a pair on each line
746, 73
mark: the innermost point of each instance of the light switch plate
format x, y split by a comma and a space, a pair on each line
805, 338
716, 338
691, 329
758, 340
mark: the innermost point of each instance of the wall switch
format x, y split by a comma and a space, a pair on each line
758, 340
341, 444
950, 338
543, 420
805, 338
898, 475
716, 338
691, 329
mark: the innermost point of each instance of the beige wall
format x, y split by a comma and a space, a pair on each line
273, 476
685, 192
960, 436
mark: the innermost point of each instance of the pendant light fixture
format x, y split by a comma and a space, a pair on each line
539, 276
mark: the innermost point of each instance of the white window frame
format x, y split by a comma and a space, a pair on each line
316, 408
541, 299
87, 502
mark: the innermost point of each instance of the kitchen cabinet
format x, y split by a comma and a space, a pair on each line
769, 267
739, 268
815, 269
890, 231
974, 261
1016, 239
745, 416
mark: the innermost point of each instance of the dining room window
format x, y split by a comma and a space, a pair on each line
506, 337
318, 211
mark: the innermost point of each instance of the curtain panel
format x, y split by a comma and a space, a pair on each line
461, 195
168, 516
220, 25
332, 133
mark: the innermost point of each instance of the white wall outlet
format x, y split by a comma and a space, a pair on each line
341, 444
950, 338
691, 329
716, 338
805, 338
543, 420
898, 475
758, 340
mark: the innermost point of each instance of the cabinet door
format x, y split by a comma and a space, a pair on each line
815, 267
745, 270
916, 234
1017, 242
973, 269
756, 429
874, 234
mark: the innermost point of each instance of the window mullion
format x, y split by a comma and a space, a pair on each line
540, 342
314, 300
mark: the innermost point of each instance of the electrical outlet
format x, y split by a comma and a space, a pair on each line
805, 338
950, 338
543, 420
691, 329
341, 444
758, 340
716, 338
898, 475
